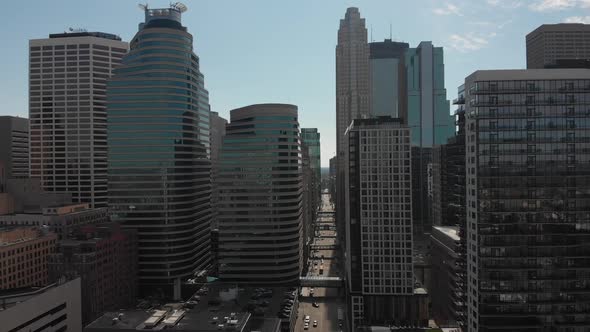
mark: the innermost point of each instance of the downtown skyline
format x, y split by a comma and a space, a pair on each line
475, 35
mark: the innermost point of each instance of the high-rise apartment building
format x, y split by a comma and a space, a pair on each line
68, 73
352, 90
23, 256
528, 233
260, 196
379, 255
105, 258
563, 45
429, 119
158, 152
387, 78
14, 146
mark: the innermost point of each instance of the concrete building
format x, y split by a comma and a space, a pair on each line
51, 308
67, 112
309, 203
352, 91
563, 45
105, 258
387, 78
446, 289
61, 219
527, 160
260, 201
379, 246
23, 256
14, 146
158, 152
430, 123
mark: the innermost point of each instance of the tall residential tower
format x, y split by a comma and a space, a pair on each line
158, 137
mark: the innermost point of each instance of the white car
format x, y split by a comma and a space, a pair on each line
306, 319
315, 323
306, 326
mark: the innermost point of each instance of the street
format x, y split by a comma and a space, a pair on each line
330, 300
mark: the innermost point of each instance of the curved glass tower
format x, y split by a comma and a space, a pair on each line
158, 152
260, 196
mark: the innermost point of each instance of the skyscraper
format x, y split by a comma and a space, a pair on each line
528, 234
387, 74
158, 138
260, 196
68, 73
565, 45
14, 146
429, 119
379, 255
311, 138
352, 89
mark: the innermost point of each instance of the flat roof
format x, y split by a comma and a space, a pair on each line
450, 231
85, 34
529, 74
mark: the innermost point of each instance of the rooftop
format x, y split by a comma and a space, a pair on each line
450, 231
85, 34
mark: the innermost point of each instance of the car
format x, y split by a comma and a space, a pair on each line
315, 323
306, 319
315, 305
306, 327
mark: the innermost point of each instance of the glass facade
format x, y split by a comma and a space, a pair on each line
528, 200
311, 138
158, 152
429, 119
260, 196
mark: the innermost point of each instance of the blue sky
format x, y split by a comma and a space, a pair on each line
283, 51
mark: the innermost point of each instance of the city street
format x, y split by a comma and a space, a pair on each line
329, 300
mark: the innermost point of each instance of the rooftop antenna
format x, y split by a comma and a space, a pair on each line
372, 33
179, 6
142, 6
390, 31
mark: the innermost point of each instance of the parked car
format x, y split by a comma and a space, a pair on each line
315, 305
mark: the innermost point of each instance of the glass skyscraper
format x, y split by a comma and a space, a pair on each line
158, 152
429, 119
260, 196
311, 138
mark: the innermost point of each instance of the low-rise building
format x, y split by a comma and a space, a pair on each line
23, 256
55, 307
105, 258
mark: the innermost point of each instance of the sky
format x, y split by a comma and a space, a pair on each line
260, 51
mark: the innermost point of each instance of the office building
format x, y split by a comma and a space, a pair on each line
387, 78
59, 219
379, 255
23, 256
311, 138
105, 258
260, 196
158, 152
527, 209
217, 132
430, 122
14, 146
68, 73
54, 307
352, 91
446, 289
309, 203
563, 45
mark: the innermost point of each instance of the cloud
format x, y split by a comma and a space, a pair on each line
578, 19
448, 9
468, 42
555, 5
506, 4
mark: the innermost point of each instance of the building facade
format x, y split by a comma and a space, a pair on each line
528, 239
68, 73
387, 78
260, 200
379, 245
105, 258
446, 289
311, 138
158, 150
430, 122
55, 307
352, 91
23, 256
558, 45
14, 146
